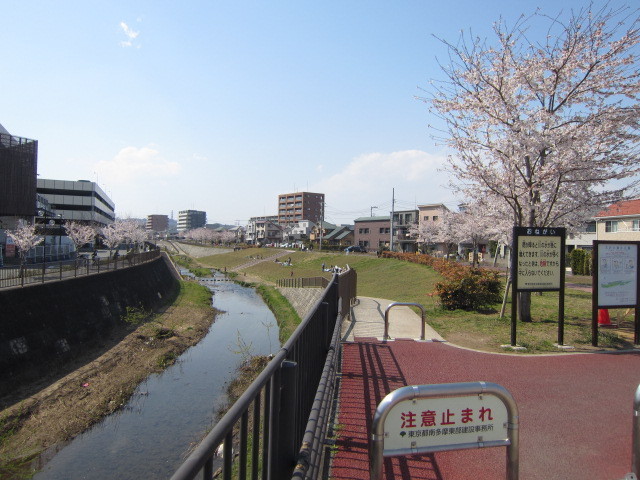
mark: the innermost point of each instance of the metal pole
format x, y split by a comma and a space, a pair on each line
398, 304
393, 204
635, 450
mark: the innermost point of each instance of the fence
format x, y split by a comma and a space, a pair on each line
22, 275
303, 282
279, 423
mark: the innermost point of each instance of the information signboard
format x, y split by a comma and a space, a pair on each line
538, 259
427, 425
538, 265
617, 275
616, 281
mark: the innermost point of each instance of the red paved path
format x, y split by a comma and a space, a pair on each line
575, 410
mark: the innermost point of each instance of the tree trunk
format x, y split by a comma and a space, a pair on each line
524, 306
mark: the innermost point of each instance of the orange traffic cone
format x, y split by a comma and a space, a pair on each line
603, 317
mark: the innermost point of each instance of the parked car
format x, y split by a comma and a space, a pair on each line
355, 248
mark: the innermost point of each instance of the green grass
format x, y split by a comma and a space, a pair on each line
407, 282
233, 259
288, 319
192, 293
190, 264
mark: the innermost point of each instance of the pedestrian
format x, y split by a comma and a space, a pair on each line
323, 266
291, 273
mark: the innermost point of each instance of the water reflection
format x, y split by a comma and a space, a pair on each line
172, 411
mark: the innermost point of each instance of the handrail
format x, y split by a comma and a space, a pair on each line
25, 275
402, 304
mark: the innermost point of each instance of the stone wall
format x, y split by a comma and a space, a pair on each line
52, 321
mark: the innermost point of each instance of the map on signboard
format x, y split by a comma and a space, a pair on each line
617, 274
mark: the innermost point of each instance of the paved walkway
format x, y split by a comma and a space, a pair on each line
575, 410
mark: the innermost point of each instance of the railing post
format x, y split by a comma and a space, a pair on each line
286, 439
635, 453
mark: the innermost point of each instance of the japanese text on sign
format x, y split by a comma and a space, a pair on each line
538, 261
445, 421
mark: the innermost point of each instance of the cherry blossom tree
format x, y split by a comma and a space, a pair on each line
424, 233
79, 233
132, 231
227, 237
25, 238
548, 127
113, 234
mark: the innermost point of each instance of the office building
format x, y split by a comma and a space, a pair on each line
18, 173
79, 201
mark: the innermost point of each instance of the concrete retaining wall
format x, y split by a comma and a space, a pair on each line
51, 321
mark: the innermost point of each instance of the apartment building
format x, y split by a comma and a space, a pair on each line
294, 207
372, 233
620, 221
157, 223
403, 220
191, 219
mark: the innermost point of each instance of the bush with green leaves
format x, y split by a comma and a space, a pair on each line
580, 261
474, 290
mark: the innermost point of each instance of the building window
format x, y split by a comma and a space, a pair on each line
363, 231
635, 226
425, 218
384, 230
611, 226
591, 227
435, 217
363, 243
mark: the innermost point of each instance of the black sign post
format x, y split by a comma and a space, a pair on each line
616, 281
538, 265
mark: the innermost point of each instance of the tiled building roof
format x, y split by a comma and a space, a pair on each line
630, 207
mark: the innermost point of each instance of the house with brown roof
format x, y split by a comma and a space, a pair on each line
620, 221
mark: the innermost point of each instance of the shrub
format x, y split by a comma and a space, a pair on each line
475, 290
580, 261
464, 287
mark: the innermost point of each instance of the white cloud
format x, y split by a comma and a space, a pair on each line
133, 164
369, 179
129, 33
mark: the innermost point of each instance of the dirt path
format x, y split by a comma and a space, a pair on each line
34, 421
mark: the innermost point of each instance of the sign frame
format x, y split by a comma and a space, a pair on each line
538, 233
444, 391
598, 303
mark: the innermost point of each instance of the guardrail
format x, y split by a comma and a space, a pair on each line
279, 421
24, 275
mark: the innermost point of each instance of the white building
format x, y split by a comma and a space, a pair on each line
81, 201
191, 219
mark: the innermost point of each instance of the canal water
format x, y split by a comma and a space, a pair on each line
170, 412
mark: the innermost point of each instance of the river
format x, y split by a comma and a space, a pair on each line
170, 412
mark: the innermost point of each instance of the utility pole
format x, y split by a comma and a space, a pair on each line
393, 203
321, 224
371, 214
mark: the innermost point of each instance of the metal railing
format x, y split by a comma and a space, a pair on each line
27, 274
307, 282
279, 421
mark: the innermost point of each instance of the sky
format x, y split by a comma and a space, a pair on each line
223, 105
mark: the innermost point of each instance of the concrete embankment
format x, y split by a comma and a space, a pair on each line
48, 323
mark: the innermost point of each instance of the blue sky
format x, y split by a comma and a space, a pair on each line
221, 106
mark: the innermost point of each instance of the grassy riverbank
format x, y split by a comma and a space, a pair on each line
61, 406
398, 280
